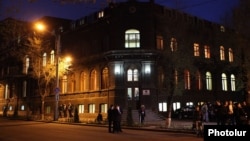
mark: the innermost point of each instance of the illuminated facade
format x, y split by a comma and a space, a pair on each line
140, 53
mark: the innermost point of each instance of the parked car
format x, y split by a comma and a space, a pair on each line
185, 112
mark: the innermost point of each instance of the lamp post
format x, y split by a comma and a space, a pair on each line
57, 90
57, 35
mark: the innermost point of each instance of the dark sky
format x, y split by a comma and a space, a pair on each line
211, 10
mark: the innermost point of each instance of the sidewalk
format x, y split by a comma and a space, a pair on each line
181, 126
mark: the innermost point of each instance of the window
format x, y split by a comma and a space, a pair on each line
207, 51
222, 53
173, 44
162, 106
103, 108
24, 88
187, 79
44, 59
105, 80
176, 77
52, 57
198, 80
233, 83
80, 108
27, 65
100, 14
91, 108
22, 107
196, 49
72, 83
47, 109
132, 75
83, 83
132, 38
133, 93
159, 42
65, 84
208, 81
93, 80
224, 81
176, 105
230, 54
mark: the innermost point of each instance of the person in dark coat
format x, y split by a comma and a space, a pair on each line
142, 114
110, 118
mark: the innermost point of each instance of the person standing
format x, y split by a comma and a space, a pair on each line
110, 118
142, 114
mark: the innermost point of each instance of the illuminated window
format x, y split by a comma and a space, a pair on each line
44, 59
208, 81
162, 106
65, 84
176, 105
173, 44
100, 14
104, 80
27, 65
132, 38
93, 80
80, 108
22, 107
196, 49
207, 51
52, 57
233, 83
187, 79
159, 42
103, 108
224, 81
222, 53
132, 75
133, 93
72, 83
230, 54
198, 80
91, 108
83, 83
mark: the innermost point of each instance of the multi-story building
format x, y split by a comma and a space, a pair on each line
139, 53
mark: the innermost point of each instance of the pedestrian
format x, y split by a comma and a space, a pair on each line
117, 113
142, 114
99, 117
197, 121
60, 110
110, 118
70, 108
64, 110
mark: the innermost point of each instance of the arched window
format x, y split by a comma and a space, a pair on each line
208, 81
52, 57
230, 55
222, 53
93, 80
198, 80
132, 75
233, 87
132, 38
105, 80
65, 84
83, 83
26, 65
224, 81
187, 79
72, 84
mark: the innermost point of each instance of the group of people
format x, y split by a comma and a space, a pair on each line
114, 119
230, 113
225, 113
65, 110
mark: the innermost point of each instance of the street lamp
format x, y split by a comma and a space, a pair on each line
57, 35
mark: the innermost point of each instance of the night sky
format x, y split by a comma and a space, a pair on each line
211, 10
